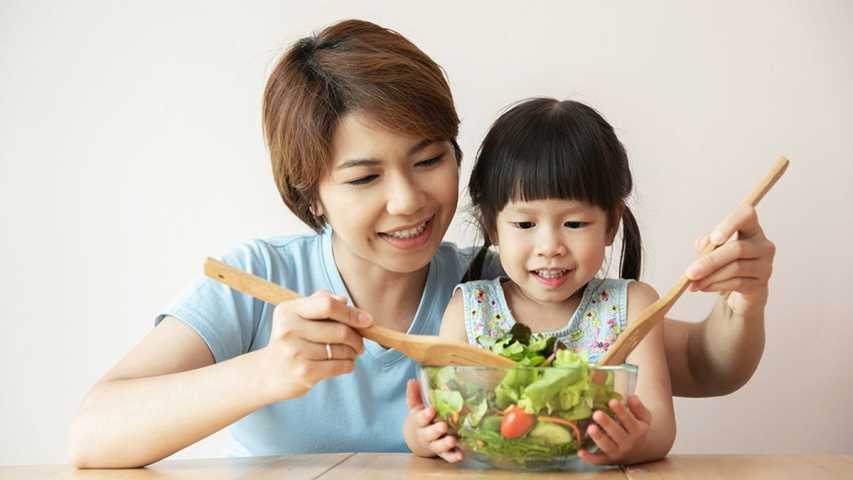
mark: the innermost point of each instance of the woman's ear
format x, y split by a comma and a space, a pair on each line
616, 220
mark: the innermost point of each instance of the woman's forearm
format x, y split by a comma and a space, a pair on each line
135, 422
725, 349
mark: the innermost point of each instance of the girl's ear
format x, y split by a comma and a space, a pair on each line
316, 208
614, 227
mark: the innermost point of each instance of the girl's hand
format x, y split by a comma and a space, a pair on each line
297, 357
742, 265
425, 438
616, 441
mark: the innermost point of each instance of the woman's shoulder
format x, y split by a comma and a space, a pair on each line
260, 256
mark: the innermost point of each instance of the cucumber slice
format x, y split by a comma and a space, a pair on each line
551, 433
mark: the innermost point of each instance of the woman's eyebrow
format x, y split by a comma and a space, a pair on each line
358, 162
420, 146
370, 162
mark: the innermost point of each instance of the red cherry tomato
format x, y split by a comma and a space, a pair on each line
517, 423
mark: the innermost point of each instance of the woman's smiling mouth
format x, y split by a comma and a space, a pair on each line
409, 237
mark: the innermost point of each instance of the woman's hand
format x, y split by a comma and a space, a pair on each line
617, 440
312, 338
743, 265
424, 438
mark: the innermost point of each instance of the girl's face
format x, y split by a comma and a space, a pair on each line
552, 248
389, 197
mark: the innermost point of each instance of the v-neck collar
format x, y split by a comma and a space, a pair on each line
418, 326
588, 293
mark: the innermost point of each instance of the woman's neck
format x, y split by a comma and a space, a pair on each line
392, 298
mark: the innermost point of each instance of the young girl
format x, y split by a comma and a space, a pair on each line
549, 189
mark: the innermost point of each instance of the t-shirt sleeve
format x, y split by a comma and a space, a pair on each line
225, 319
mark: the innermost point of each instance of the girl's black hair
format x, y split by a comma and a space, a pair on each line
544, 148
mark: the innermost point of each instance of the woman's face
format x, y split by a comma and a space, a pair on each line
389, 197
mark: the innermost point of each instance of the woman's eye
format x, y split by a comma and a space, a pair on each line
524, 225
363, 180
574, 225
430, 161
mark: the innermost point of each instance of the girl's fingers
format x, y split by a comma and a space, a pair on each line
413, 395
443, 444
639, 410
597, 458
425, 417
452, 456
614, 431
626, 419
605, 443
431, 433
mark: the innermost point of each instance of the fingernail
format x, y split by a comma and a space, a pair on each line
717, 238
364, 318
692, 271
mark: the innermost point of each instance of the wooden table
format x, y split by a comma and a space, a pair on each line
353, 466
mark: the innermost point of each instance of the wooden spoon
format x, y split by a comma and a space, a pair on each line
652, 315
424, 349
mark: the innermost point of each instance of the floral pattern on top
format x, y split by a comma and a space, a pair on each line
590, 330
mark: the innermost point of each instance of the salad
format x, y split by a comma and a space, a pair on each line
526, 415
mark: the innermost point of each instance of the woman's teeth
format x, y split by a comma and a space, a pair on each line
410, 233
550, 273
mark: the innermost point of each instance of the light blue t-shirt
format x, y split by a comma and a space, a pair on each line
361, 411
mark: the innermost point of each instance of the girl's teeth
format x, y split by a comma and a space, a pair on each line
550, 273
411, 233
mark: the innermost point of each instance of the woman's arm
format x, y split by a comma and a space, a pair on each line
167, 393
720, 354
163, 396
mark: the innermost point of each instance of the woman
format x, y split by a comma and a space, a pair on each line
362, 131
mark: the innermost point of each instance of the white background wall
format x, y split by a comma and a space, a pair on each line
131, 148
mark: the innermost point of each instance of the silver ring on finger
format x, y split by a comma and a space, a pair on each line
328, 352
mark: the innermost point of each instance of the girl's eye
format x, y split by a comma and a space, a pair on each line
363, 180
575, 225
430, 161
524, 225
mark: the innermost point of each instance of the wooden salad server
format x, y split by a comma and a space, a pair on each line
652, 315
424, 349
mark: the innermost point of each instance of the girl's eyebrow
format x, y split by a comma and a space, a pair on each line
369, 162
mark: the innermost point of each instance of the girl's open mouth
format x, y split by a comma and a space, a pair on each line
551, 277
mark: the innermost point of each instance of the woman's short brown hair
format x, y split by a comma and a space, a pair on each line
352, 65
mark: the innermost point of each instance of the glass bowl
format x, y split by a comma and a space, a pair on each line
524, 418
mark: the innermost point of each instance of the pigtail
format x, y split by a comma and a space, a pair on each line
632, 247
475, 269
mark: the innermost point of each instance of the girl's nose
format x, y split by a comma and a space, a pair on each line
405, 197
549, 244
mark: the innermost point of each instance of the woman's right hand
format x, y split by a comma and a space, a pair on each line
297, 357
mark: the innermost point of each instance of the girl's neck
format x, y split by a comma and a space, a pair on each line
392, 298
540, 316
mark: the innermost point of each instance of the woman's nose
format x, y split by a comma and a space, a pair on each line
405, 197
